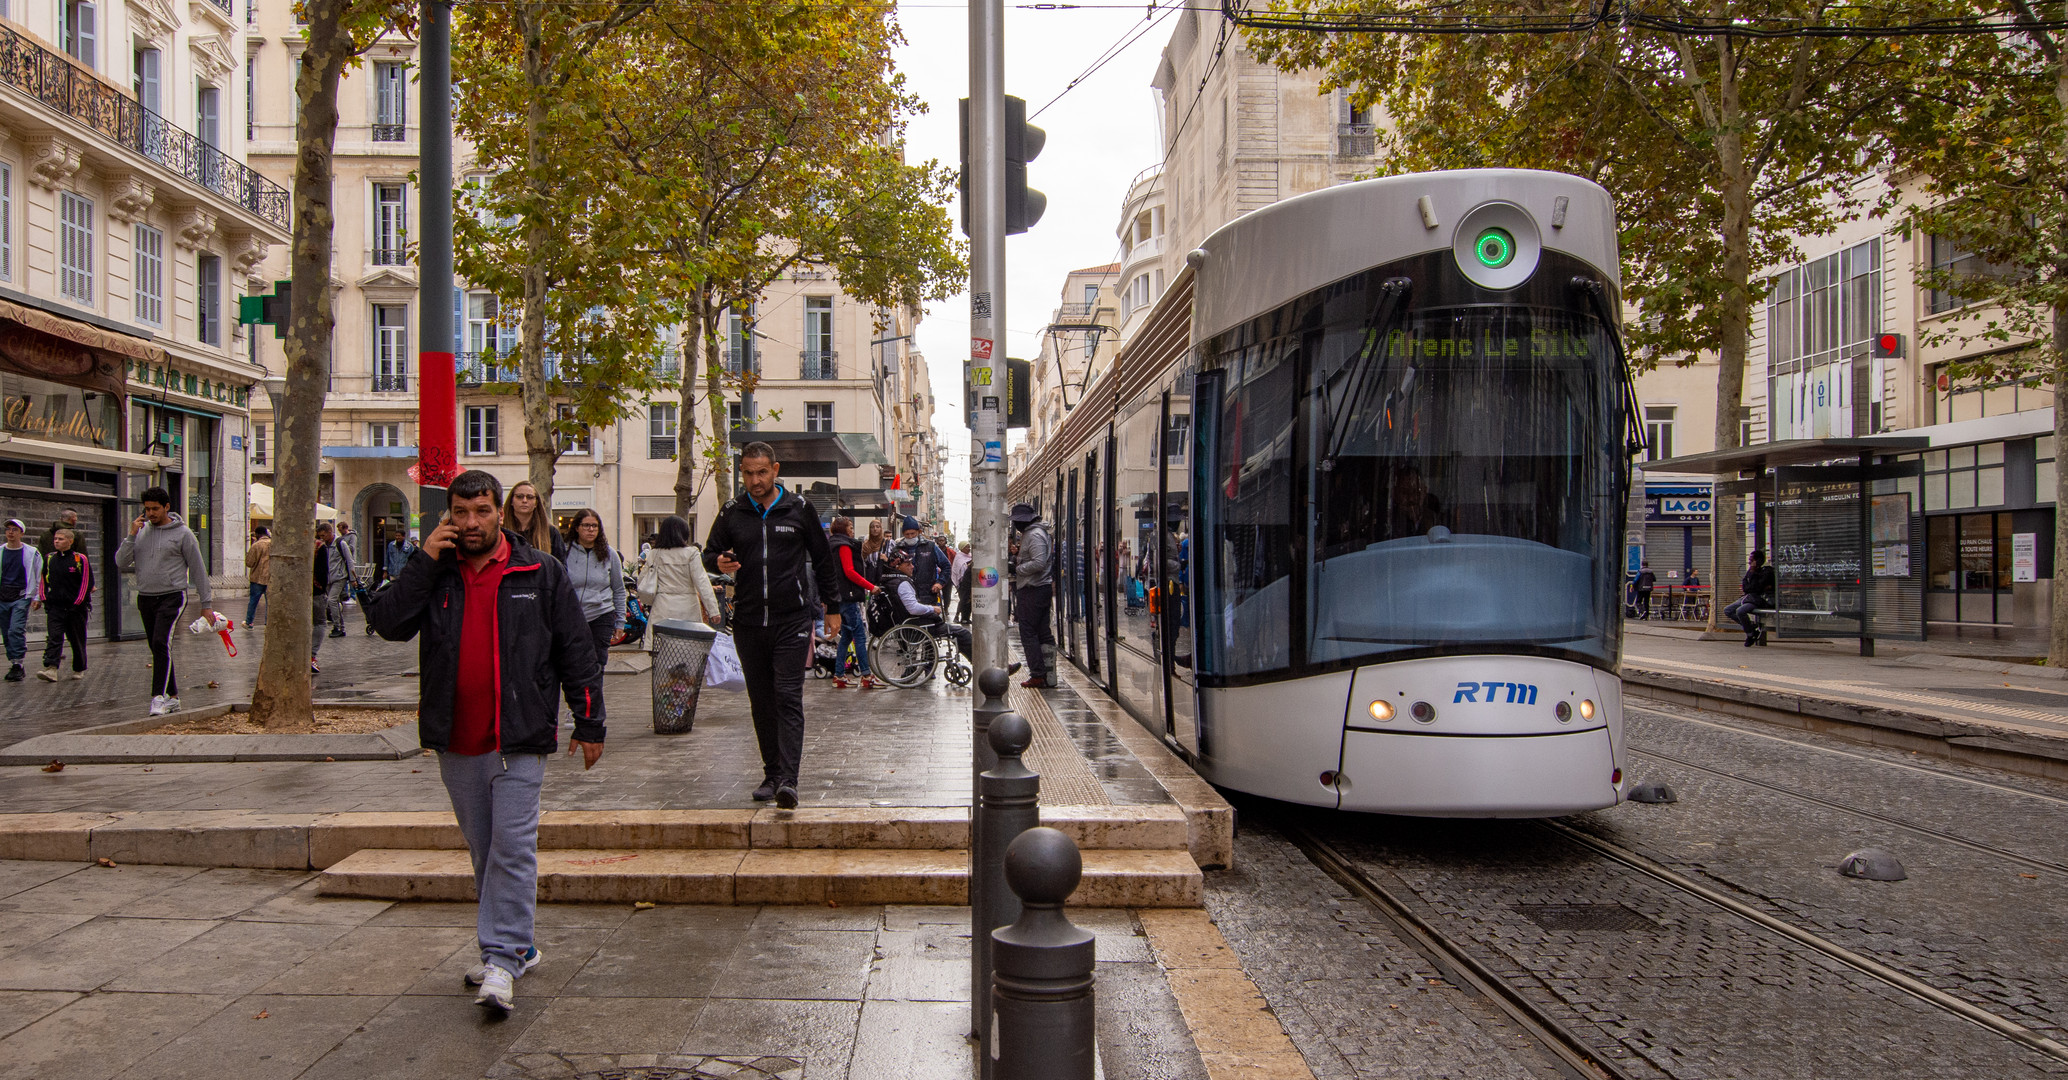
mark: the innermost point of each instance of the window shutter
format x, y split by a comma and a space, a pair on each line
459, 320
87, 33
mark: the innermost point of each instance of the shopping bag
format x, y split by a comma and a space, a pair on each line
722, 670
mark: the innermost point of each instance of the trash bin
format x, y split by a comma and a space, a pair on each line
680, 649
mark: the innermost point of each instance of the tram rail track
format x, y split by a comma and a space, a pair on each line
1572, 1051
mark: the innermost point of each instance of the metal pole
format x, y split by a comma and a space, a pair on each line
986, 197
1010, 797
437, 407
1042, 993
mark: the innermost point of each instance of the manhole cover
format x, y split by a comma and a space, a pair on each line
2042, 698
647, 1067
1584, 917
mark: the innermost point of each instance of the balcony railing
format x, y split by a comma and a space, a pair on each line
1356, 140
475, 369
818, 365
53, 80
394, 382
390, 132
226, 6
660, 447
742, 361
394, 254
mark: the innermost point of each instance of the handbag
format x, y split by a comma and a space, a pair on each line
649, 583
722, 669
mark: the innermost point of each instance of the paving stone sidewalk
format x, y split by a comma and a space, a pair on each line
147, 972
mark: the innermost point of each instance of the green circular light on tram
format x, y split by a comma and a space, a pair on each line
1495, 248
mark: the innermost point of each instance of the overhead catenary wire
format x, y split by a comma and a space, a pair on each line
1127, 39
1857, 21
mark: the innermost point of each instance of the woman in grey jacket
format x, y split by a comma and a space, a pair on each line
598, 577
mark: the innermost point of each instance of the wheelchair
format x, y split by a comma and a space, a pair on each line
906, 655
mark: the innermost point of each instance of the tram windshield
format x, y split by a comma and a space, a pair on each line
1464, 484
1394, 483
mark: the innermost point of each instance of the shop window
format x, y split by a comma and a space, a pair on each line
1961, 477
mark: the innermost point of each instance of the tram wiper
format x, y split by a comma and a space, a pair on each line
1597, 297
1393, 293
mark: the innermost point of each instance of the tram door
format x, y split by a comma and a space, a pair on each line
1066, 576
1109, 561
1174, 614
1089, 552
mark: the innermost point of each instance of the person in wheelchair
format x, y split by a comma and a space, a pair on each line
927, 615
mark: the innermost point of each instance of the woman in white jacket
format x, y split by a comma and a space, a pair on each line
673, 583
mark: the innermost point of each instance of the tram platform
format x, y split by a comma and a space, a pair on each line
1972, 693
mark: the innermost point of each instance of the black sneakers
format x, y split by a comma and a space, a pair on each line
786, 798
766, 791
16, 674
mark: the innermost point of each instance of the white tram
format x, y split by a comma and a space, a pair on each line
1344, 523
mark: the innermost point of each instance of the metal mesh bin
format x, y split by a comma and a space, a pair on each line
680, 650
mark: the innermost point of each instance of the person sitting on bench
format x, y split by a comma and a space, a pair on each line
1757, 587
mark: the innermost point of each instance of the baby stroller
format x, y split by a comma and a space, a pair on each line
360, 595
635, 614
825, 654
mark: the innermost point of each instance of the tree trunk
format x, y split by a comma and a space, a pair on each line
1735, 321
686, 450
282, 695
541, 446
720, 463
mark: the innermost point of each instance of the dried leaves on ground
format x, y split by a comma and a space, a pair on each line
328, 722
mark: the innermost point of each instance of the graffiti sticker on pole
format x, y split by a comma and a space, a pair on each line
980, 348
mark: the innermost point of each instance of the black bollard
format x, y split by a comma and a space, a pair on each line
1041, 995
1009, 798
991, 688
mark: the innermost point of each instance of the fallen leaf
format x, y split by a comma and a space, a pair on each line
330, 759
641, 905
54, 766
262, 1014
832, 903
212, 685
147, 768
2034, 877
105, 861
416, 770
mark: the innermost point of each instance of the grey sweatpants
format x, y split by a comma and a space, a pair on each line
496, 798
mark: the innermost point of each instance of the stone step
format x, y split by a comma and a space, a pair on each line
775, 876
238, 838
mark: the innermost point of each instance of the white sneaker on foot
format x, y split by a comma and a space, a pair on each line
48, 674
77, 675
498, 990
172, 704
531, 960
158, 705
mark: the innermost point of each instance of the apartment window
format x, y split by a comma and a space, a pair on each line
576, 443
258, 444
739, 337
390, 348
1950, 258
79, 30
150, 276
668, 365
391, 97
1821, 318
1091, 296
208, 299
660, 429
6, 221
818, 416
75, 248
482, 421
735, 416
390, 225
387, 434
2044, 479
144, 79
250, 96
818, 338
294, 96
1658, 431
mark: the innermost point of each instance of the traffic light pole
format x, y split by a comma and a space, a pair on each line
986, 203
437, 407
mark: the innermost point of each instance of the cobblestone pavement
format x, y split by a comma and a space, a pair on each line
861, 748
1681, 989
146, 972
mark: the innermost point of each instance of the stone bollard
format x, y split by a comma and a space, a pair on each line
1009, 797
1043, 1026
991, 687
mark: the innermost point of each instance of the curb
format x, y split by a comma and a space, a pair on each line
1236, 1032
119, 744
2021, 752
1208, 816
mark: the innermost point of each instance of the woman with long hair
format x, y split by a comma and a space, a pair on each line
523, 515
598, 577
872, 552
673, 583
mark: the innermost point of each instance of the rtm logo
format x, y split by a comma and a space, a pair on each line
1518, 693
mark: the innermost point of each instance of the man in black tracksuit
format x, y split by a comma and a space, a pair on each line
763, 538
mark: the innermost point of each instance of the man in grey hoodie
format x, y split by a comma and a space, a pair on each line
166, 559
1034, 590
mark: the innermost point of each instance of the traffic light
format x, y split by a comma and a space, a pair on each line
267, 309
1023, 143
1888, 346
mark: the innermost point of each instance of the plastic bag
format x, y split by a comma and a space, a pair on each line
722, 671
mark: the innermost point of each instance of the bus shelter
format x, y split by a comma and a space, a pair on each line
1841, 524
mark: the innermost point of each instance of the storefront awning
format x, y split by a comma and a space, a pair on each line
818, 446
51, 346
259, 503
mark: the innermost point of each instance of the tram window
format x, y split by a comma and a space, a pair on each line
1250, 594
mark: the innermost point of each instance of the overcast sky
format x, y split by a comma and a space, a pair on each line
1100, 135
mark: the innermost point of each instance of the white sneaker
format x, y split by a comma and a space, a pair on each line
48, 674
158, 705
531, 960
76, 676
498, 990
172, 704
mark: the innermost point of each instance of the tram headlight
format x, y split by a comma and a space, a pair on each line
1586, 709
1381, 711
1495, 248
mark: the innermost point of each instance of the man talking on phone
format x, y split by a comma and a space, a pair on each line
503, 640
764, 539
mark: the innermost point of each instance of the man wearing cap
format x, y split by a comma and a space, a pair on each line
926, 576
21, 588
1033, 581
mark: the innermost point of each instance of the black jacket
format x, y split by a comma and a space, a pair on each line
772, 548
68, 580
547, 650
850, 593
1758, 583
